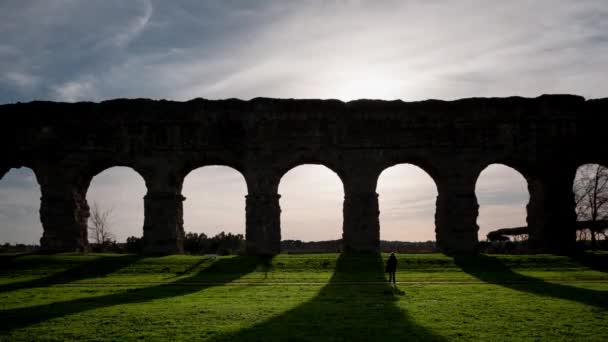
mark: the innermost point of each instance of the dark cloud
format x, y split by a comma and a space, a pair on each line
76, 50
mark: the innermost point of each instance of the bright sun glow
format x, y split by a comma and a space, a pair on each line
365, 82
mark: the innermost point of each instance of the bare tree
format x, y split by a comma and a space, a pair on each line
591, 196
99, 225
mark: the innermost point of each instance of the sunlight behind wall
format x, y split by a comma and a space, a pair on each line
121, 190
502, 195
19, 207
406, 196
311, 202
215, 201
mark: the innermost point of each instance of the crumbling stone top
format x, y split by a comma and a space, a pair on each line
147, 109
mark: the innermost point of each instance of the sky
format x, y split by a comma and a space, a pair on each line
76, 50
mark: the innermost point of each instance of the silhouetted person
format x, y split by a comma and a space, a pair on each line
391, 268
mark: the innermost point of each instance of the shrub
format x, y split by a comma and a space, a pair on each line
135, 244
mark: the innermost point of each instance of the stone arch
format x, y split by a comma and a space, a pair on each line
22, 202
95, 170
5, 169
326, 177
388, 217
329, 161
289, 167
192, 215
223, 158
127, 205
501, 206
423, 163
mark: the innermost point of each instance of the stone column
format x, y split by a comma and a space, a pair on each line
456, 213
64, 211
361, 230
163, 213
263, 213
551, 211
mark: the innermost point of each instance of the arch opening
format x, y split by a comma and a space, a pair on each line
406, 198
20, 208
214, 207
312, 197
590, 188
115, 197
502, 194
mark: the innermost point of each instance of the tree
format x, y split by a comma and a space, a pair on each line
135, 244
222, 243
195, 243
99, 225
503, 234
591, 197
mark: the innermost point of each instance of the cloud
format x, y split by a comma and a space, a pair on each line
339, 49
73, 91
501, 185
21, 80
134, 28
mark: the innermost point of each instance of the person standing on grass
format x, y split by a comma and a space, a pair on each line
391, 268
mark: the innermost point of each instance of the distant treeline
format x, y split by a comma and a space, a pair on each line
222, 243
195, 243
515, 240
227, 243
333, 246
297, 246
18, 248
598, 227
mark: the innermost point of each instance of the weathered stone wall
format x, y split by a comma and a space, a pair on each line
544, 138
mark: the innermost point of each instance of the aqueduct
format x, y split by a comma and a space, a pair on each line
544, 138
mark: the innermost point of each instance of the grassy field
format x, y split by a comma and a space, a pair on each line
326, 297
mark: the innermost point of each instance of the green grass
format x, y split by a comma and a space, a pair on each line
325, 297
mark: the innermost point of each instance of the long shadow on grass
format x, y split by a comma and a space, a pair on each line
492, 270
220, 272
5, 258
598, 262
99, 267
344, 312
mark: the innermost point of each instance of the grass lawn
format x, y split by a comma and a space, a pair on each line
325, 297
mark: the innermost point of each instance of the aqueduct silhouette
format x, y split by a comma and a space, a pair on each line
544, 138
